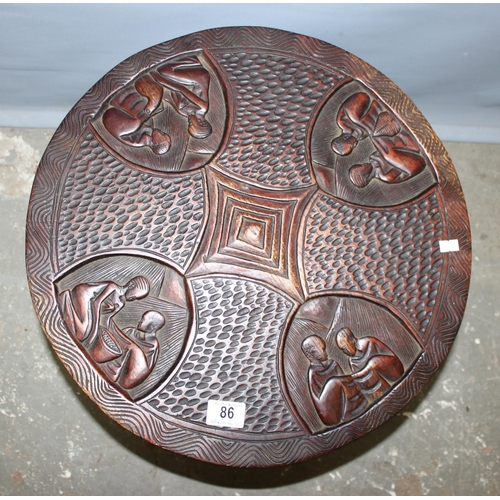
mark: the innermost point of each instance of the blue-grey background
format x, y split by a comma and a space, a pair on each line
445, 57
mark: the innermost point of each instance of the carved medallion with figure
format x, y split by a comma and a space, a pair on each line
248, 222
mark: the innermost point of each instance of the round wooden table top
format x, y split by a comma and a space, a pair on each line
248, 246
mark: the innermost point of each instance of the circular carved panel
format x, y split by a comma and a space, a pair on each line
248, 246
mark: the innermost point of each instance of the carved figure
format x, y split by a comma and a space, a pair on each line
89, 307
398, 155
138, 347
375, 367
182, 83
336, 396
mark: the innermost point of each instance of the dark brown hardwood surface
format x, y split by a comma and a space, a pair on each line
248, 216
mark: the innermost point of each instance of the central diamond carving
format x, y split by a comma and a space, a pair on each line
248, 233
253, 232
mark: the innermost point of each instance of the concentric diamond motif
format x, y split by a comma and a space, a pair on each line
253, 232
249, 233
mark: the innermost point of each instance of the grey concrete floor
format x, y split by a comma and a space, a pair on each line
54, 439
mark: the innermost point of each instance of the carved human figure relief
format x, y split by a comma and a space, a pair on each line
138, 348
363, 153
397, 157
374, 366
182, 84
132, 330
336, 396
90, 307
337, 372
170, 117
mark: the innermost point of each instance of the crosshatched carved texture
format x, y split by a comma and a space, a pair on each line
275, 100
108, 205
234, 356
260, 161
391, 254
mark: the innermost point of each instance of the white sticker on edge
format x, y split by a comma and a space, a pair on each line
448, 246
226, 413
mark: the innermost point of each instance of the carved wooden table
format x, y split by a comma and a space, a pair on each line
248, 246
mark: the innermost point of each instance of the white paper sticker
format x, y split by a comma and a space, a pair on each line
448, 246
226, 414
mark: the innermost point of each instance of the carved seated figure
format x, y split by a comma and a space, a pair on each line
138, 347
336, 396
88, 308
398, 155
182, 83
375, 367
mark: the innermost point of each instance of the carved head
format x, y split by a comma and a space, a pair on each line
361, 175
344, 144
161, 142
314, 348
346, 341
137, 288
151, 322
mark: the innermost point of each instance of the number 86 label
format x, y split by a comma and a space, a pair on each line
226, 414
